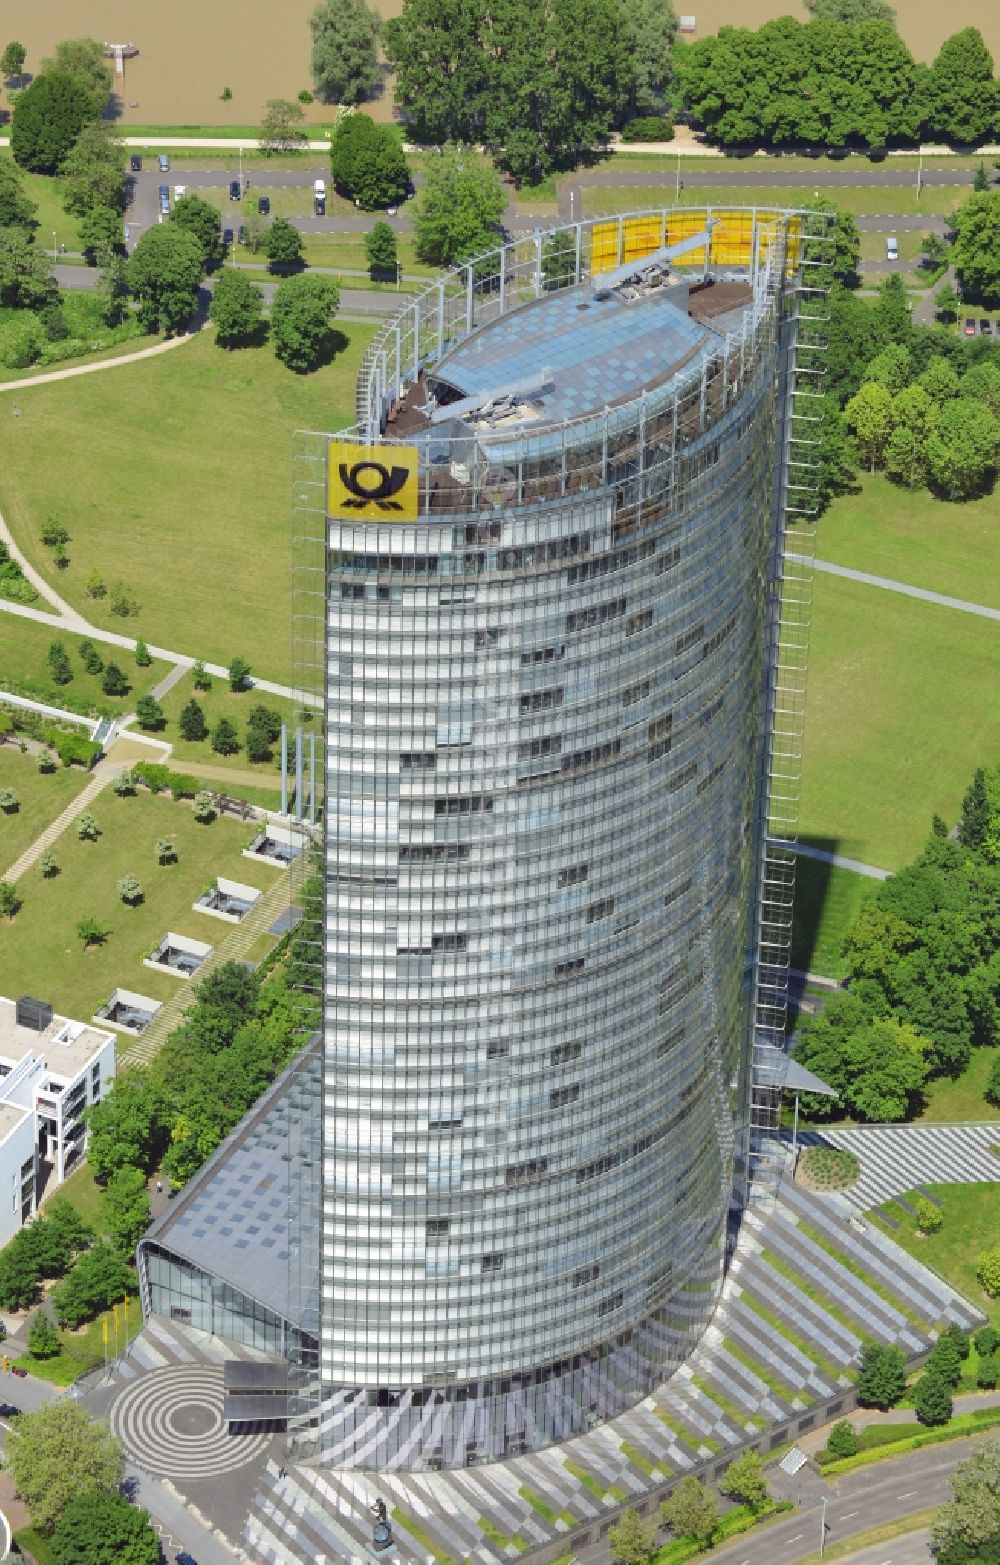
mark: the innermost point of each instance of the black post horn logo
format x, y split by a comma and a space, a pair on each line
389, 481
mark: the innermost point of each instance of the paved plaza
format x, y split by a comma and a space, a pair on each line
896, 1158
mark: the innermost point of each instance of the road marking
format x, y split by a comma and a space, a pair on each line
908, 1495
798, 1535
847, 1516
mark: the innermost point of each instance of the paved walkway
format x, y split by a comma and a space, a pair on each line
104, 773
888, 585
103, 364
897, 1158
805, 851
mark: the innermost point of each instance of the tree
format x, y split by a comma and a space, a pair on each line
191, 722
458, 212
98, 1528
744, 1479
19, 1276
114, 682
199, 677
92, 170
165, 850
976, 812
149, 713
960, 95
130, 890
17, 210
690, 1512
48, 117
10, 902
650, 30
944, 1362
125, 1130
852, 11
367, 163
281, 128
203, 808
631, 1539
225, 740
962, 449
380, 249
869, 414
932, 1400
90, 931
987, 1340
12, 61
987, 1372
842, 1440
164, 272
981, 381
59, 664
263, 728
947, 305
954, 1334
344, 58
302, 321
43, 1339
26, 281
58, 1454
877, 1064
977, 257
202, 221
881, 1376
236, 309
981, 179
8, 800
239, 673
929, 1217
890, 368
284, 244
939, 379
87, 828
102, 237
143, 657
988, 1271
47, 864
125, 1208
99, 1278
969, 1521
84, 60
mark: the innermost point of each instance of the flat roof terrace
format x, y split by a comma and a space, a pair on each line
67, 1047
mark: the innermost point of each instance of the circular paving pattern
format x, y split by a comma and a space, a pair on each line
171, 1423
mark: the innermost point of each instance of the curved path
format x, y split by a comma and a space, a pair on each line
103, 364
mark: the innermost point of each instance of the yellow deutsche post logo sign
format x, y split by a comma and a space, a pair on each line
373, 483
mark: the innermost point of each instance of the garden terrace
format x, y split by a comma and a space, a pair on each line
128, 1012
179, 954
227, 899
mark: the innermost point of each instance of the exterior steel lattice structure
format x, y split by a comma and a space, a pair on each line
549, 708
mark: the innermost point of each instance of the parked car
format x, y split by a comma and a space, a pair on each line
179, 190
319, 206
984, 327
242, 234
164, 163
391, 211
227, 236
264, 204
891, 248
970, 326
135, 162
8, 1410
234, 190
319, 188
164, 198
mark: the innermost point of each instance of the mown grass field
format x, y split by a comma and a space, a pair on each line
971, 1225
24, 647
40, 951
862, 200
181, 486
219, 702
41, 797
827, 901
908, 535
899, 714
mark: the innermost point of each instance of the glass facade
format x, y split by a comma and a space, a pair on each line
543, 767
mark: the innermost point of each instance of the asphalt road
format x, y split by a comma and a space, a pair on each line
760, 177
353, 301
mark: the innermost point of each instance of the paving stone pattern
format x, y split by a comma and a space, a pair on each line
895, 1158
785, 1338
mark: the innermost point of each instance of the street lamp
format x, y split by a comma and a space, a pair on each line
920, 170
677, 184
241, 169
822, 1529
53, 247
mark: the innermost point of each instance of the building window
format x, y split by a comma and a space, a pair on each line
563, 1053
585, 1274
574, 875
542, 700
613, 1302
567, 969
437, 1228
561, 1096
493, 1262
600, 909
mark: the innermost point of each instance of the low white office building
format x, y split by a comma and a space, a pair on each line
51, 1070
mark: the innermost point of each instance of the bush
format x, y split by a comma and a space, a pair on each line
881, 1376
91, 932
987, 1340
987, 1372
648, 127
77, 748
988, 1271
87, 828
829, 1168
932, 1399
130, 890
944, 1361
842, 1440
43, 1338
10, 902
8, 801
930, 1218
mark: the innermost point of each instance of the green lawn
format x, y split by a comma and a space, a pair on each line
348, 250
41, 797
83, 1349
898, 717
181, 486
948, 1102
862, 200
83, 1193
40, 952
46, 193
971, 1225
827, 901
910, 536
24, 646
908, 243
218, 702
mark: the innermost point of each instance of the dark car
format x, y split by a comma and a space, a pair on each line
186, 1559
234, 190
135, 162
970, 326
8, 1410
319, 206
984, 327
227, 236
264, 204
242, 235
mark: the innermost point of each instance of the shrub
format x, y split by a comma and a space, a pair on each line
87, 828
46, 761
130, 890
8, 801
987, 1372
987, 1340
43, 1338
988, 1271
930, 1218
47, 864
95, 586
239, 673
648, 127
153, 774
201, 679
143, 656
165, 850
10, 902
124, 785
829, 1168
75, 747
204, 808
91, 932
842, 1440
932, 1399
123, 601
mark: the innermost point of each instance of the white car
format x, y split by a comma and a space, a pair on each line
891, 248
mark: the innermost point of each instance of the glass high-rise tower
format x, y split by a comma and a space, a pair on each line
552, 602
